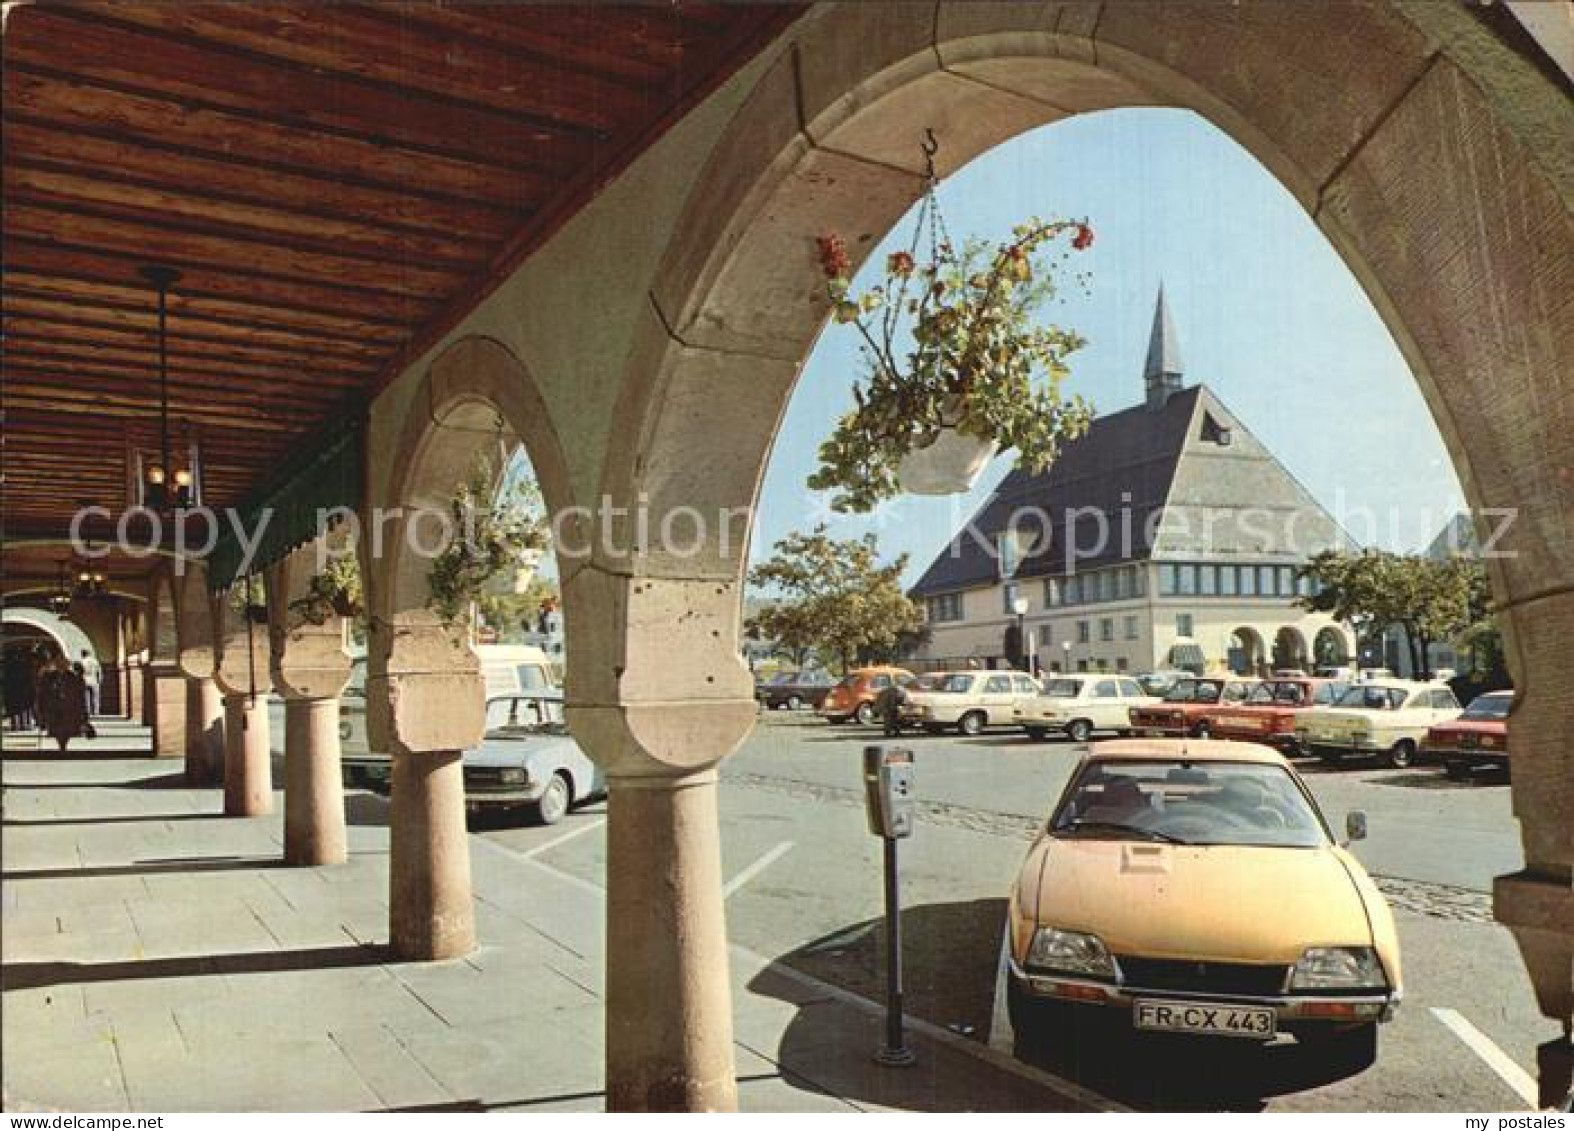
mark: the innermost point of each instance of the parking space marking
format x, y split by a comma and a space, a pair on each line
756, 868
1001, 1035
1496, 1059
587, 827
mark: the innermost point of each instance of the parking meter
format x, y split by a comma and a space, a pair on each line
888, 791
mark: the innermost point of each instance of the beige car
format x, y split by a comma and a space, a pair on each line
1386, 719
971, 701
1078, 705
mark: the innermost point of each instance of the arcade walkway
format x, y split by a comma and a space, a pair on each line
158, 957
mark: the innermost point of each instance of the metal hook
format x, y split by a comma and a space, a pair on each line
930, 147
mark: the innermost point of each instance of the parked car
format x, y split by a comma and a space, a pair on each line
1194, 887
794, 690
1187, 708
1269, 711
1386, 719
1479, 737
854, 697
1078, 705
1157, 683
970, 701
505, 669
527, 760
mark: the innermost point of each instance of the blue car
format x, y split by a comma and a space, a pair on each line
528, 760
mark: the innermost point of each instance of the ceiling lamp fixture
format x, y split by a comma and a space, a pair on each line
60, 599
165, 482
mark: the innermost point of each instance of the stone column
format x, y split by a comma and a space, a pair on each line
204, 731
425, 705
310, 666
248, 759
164, 708
658, 701
313, 783
430, 911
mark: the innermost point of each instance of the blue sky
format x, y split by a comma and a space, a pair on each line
1267, 314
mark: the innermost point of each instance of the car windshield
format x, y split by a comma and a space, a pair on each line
786, 677
1178, 802
522, 716
957, 683
1194, 691
1371, 697
1062, 688
1491, 707
1287, 692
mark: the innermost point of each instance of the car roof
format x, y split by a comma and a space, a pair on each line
1184, 749
1494, 695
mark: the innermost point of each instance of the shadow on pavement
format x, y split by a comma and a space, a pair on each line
1162, 1072
133, 818
34, 975
150, 868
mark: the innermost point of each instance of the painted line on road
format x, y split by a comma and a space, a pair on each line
587, 827
1496, 1059
1001, 1035
756, 963
756, 868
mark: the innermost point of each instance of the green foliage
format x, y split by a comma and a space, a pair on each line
1428, 599
493, 529
835, 597
978, 361
513, 614
336, 591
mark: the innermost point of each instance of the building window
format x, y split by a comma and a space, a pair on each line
1188, 581
1183, 624
1107, 585
1227, 581
1286, 581
1008, 598
1248, 581
1303, 586
1073, 590
1046, 635
944, 608
1168, 580
1082, 632
1121, 665
1107, 629
1139, 577
1265, 581
1131, 628
1208, 580
1051, 593
1082, 665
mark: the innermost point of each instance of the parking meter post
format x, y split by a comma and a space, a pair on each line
888, 796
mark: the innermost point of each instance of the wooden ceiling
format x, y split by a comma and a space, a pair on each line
338, 184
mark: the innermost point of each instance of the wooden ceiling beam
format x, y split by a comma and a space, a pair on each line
68, 102
560, 133
217, 176
63, 360
100, 265
374, 56
157, 205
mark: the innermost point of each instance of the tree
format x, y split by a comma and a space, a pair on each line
1426, 599
835, 596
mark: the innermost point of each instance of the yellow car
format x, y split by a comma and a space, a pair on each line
1192, 886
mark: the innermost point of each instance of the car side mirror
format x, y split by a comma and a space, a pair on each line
1355, 825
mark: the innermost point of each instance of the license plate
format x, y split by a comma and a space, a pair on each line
1252, 1022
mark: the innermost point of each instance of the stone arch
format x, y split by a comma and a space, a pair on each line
1331, 647
1290, 650
425, 694
1248, 655
70, 639
1434, 156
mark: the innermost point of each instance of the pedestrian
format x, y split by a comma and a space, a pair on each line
93, 678
890, 702
61, 702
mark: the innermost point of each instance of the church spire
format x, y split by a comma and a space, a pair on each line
1162, 374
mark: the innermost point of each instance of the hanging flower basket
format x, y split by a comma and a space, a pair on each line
494, 536
334, 592
978, 373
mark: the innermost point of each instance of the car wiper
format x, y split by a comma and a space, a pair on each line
1116, 826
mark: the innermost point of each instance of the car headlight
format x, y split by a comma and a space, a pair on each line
1069, 952
513, 776
1338, 968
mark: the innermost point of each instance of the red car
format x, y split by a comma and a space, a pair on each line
1479, 737
1268, 713
1187, 708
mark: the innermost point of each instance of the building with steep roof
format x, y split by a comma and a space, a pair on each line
1167, 536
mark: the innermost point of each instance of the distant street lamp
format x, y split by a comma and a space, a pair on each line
1065, 648
1019, 606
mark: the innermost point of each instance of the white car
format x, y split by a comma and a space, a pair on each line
970, 701
1386, 718
1078, 705
528, 761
